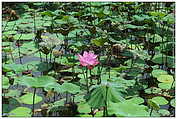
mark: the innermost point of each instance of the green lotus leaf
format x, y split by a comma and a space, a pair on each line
154, 113
16, 67
153, 90
55, 86
170, 60
20, 112
153, 104
5, 82
99, 114
165, 85
84, 108
165, 78
99, 41
28, 99
98, 96
135, 100
160, 100
5, 109
172, 102
71, 88
55, 106
157, 14
36, 82
157, 72
9, 32
28, 36
47, 13
13, 93
84, 115
7, 49
164, 112
124, 109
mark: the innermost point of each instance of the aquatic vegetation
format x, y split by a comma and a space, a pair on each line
88, 59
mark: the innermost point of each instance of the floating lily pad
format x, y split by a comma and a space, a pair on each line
71, 88
172, 103
170, 60
153, 90
156, 73
84, 108
16, 67
125, 109
36, 82
160, 100
165, 78
28, 99
164, 112
13, 93
20, 112
99, 114
57, 87
5, 82
165, 85
136, 100
29, 36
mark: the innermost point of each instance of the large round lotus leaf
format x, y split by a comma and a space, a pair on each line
5, 82
79, 98
20, 112
98, 95
37, 82
165, 85
13, 93
170, 60
165, 78
172, 102
160, 100
59, 102
71, 88
153, 90
16, 67
154, 113
84, 108
156, 73
28, 99
124, 109
164, 112
57, 87
136, 100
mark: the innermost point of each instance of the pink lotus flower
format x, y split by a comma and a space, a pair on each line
88, 59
